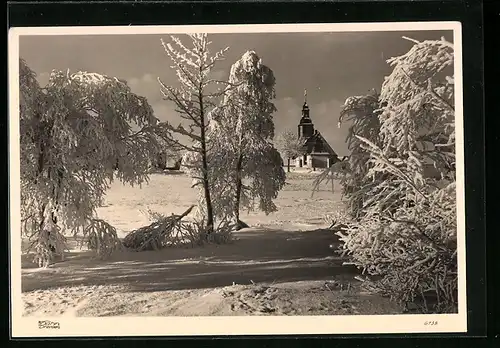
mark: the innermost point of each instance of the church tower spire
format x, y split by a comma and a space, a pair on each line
305, 127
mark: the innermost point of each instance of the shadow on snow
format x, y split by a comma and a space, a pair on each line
255, 256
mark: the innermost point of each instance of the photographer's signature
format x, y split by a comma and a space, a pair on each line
47, 324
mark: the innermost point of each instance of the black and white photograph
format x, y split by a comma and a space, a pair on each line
281, 178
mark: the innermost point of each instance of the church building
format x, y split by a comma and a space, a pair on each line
317, 153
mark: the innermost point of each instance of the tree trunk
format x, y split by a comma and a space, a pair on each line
42, 218
206, 183
57, 192
41, 165
288, 165
55, 196
239, 224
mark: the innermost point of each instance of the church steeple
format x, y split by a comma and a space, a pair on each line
305, 107
305, 127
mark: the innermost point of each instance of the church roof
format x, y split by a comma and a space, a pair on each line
317, 136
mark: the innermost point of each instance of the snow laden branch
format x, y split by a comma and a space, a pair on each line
362, 112
422, 83
78, 133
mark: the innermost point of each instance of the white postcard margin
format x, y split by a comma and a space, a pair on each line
244, 325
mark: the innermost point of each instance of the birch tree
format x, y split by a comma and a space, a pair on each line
77, 134
290, 146
194, 100
249, 167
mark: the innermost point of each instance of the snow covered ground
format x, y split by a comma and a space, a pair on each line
281, 265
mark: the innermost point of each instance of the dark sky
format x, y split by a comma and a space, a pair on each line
331, 66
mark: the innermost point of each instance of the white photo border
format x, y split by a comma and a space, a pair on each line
245, 325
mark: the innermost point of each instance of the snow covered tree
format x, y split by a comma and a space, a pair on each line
248, 166
290, 146
194, 101
77, 134
362, 113
406, 233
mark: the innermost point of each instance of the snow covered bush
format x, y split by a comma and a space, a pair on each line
173, 231
407, 239
48, 244
102, 238
77, 134
222, 233
403, 234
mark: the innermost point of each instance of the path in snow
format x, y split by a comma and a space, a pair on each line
264, 272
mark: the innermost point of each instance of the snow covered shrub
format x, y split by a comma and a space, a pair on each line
403, 234
164, 231
102, 238
173, 231
408, 241
222, 233
48, 245
77, 134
